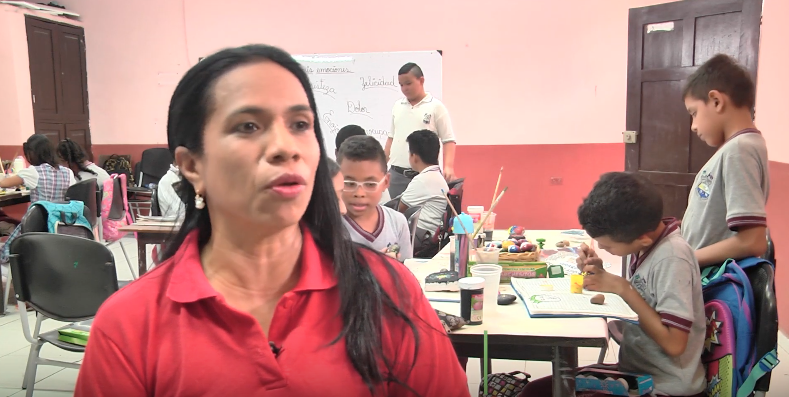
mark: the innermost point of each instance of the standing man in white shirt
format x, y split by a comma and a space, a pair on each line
417, 111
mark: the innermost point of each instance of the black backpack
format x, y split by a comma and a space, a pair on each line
119, 164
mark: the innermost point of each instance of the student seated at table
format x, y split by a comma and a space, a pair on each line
623, 214
76, 159
426, 188
46, 179
170, 205
344, 133
363, 164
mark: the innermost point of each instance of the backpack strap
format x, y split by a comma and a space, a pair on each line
718, 272
766, 364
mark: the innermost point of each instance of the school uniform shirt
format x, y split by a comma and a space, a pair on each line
170, 204
54, 183
171, 334
729, 192
428, 114
392, 228
425, 190
100, 175
668, 278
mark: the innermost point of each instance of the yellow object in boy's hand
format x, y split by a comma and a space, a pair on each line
577, 284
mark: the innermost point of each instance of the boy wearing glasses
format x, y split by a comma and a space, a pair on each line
363, 163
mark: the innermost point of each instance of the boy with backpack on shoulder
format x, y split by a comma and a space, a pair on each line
726, 215
726, 221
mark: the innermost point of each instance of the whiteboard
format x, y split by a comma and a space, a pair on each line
362, 88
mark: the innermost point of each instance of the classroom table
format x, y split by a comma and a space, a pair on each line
9, 199
149, 232
512, 334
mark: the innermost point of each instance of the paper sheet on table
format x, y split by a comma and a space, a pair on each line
559, 302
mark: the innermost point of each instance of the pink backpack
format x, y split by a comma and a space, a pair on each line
110, 225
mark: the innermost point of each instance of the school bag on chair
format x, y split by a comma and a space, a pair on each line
729, 355
114, 217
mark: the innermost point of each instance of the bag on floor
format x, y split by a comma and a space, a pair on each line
504, 385
729, 355
112, 222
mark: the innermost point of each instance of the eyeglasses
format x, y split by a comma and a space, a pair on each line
370, 187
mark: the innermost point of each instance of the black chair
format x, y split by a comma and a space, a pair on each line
155, 209
765, 317
393, 203
412, 215
85, 191
64, 278
153, 165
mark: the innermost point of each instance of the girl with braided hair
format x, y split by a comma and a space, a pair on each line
76, 159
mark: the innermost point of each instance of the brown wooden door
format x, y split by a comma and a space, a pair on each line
56, 132
58, 81
666, 44
41, 53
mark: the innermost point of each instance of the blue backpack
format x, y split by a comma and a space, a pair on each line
729, 346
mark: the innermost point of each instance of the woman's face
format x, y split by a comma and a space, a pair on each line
260, 151
339, 183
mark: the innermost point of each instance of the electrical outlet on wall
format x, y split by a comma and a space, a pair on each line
556, 180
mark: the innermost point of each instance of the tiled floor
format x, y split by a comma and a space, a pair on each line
60, 382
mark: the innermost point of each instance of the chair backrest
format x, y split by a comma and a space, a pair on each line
153, 165
63, 277
393, 203
85, 191
412, 214
765, 330
770, 253
117, 209
155, 209
456, 194
35, 220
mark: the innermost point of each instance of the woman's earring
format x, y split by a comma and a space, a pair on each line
199, 201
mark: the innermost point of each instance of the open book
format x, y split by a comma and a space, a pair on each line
558, 301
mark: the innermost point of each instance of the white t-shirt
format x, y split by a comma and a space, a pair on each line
30, 177
101, 176
428, 114
169, 202
425, 191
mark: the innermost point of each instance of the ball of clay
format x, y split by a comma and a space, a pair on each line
514, 249
524, 247
560, 244
598, 299
566, 243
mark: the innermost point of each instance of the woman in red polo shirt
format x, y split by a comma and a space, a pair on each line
261, 294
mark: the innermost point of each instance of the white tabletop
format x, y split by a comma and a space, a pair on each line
513, 319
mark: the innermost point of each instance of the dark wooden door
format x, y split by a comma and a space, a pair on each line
58, 81
666, 44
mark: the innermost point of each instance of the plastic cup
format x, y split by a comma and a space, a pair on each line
489, 225
488, 257
492, 275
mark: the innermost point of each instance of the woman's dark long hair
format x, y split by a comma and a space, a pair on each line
39, 150
363, 302
71, 152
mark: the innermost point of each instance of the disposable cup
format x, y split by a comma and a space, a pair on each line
492, 275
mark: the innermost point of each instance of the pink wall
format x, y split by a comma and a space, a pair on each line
562, 64
773, 84
16, 107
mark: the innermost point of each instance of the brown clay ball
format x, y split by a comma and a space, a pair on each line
598, 299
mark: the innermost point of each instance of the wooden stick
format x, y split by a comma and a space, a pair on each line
495, 203
454, 211
496, 190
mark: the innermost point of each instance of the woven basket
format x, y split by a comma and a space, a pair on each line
520, 257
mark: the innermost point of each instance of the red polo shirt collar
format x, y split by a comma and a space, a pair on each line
189, 283
636, 260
